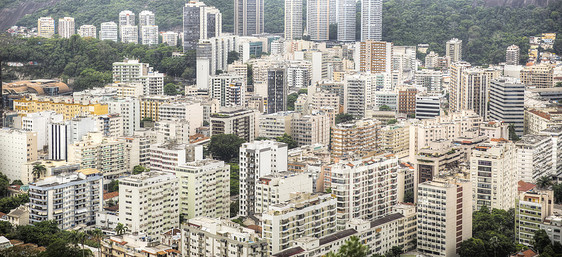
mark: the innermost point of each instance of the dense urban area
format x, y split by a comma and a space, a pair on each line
282, 128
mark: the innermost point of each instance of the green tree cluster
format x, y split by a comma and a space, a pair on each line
113, 186
291, 143
291, 99
343, 117
543, 245
225, 147
234, 178
492, 234
139, 169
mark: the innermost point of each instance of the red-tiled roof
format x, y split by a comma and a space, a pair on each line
110, 195
525, 186
526, 253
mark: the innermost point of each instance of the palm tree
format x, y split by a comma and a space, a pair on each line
544, 182
353, 248
97, 235
38, 170
120, 229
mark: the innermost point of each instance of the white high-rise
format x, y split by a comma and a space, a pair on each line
45, 27
454, 50
87, 31
126, 18
512, 55
371, 20
293, 19
109, 31
170, 38
346, 20
258, 159
129, 34
149, 35
66, 27
146, 18
318, 19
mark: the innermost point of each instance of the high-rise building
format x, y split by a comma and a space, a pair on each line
200, 22
512, 55
17, 147
351, 181
147, 18
69, 199
292, 219
318, 19
374, 56
311, 129
240, 122
507, 97
87, 31
66, 27
258, 159
129, 34
277, 90
371, 20
293, 19
494, 175
346, 20
130, 71
149, 35
109, 31
228, 89
428, 106
149, 203
470, 87
277, 188
355, 138
129, 109
453, 50
531, 209
126, 18
170, 38
455, 85
249, 17
204, 189
431, 80
99, 152
539, 76
45, 27
39, 122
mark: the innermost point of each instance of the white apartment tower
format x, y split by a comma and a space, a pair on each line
109, 31
276, 188
149, 35
149, 203
444, 216
129, 34
66, 27
371, 20
318, 19
346, 20
293, 19
170, 38
87, 31
17, 147
512, 55
126, 18
46, 27
258, 159
147, 18
453, 50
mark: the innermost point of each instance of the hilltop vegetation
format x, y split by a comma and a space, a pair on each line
485, 31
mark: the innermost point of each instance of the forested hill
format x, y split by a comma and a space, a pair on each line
485, 30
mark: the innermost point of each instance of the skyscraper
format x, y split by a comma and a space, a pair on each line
512, 55
346, 20
293, 19
454, 50
374, 56
371, 20
147, 28
276, 90
66, 27
126, 18
45, 27
318, 19
507, 97
248, 17
200, 22
108, 31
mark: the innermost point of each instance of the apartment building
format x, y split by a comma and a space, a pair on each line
305, 214
365, 189
204, 187
374, 57
68, 110
444, 216
507, 102
258, 159
275, 124
531, 209
137, 151
428, 106
407, 100
240, 122
99, 152
166, 157
229, 89
277, 188
553, 225
438, 157
538, 76
150, 106
66, 27
453, 50
192, 112
310, 129
46, 27
131, 245
134, 71
202, 236
149, 203
394, 139
170, 38
109, 31
537, 120
111, 125
87, 31
534, 157
17, 147
70, 199
353, 138
129, 109
431, 80
512, 55
493, 173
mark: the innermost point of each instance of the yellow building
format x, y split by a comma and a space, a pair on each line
68, 110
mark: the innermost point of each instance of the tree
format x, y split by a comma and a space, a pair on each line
61, 248
4, 184
343, 117
5, 227
512, 135
409, 196
139, 169
557, 193
225, 147
291, 143
353, 248
540, 240
472, 247
395, 251
544, 182
234, 179
170, 89
113, 186
291, 99
384, 108
392, 121
38, 171
120, 229
558, 84
97, 235
90, 78
232, 56
234, 207
303, 91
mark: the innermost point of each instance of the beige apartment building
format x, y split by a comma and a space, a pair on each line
355, 138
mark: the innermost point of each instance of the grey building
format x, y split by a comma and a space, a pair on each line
276, 90
248, 17
371, 20
346, 20
200, 22
428, 106
507, 97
